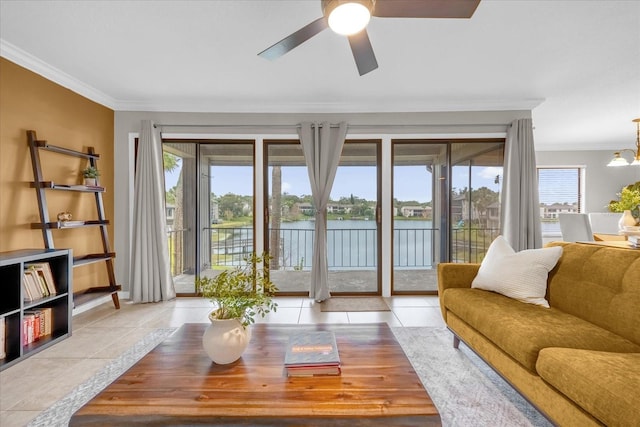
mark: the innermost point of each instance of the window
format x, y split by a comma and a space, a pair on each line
560, 191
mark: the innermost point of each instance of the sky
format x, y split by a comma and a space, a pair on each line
412, 182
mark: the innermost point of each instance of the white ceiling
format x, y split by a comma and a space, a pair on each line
575, 63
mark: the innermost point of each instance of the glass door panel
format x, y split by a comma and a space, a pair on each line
475, 198
209, 206
290, 233
180, 188
417, 169
226, 204
353, 215
352, 227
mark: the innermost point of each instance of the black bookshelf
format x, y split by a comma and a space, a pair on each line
14, 302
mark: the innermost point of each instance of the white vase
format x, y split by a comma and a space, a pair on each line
626, 220
225, 340
90, 182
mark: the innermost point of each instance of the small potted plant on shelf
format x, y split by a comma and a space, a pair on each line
91, 175
238, 296
628, 204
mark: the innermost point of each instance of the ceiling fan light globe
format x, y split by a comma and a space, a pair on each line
349, 18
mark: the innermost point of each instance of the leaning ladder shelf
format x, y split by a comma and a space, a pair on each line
46, 225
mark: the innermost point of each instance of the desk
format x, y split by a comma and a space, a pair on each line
177, 384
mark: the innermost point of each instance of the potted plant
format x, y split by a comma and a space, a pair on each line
238, 296
90, 174
628, 203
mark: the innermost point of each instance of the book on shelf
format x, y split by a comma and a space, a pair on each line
44, 317
36, 324
43, 269
33, 291
3, 341
41, 283
28, 329
312, 353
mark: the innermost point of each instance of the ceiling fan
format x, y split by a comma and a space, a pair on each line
350, 18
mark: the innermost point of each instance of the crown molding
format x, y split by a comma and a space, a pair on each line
256, 106
38, 66
32, 63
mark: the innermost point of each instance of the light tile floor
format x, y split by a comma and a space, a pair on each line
103, 333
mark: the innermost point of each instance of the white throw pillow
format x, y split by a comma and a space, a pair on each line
519, 275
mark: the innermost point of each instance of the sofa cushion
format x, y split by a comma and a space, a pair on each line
599, 284
520, 275
607, 385
522, 330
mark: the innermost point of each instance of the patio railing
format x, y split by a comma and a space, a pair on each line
413, 248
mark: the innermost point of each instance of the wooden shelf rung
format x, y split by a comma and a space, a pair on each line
45, 146
87, 295
91, 258
67, 187
61, 224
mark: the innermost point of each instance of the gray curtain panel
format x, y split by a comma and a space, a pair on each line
520, 204
150, 279
322, 146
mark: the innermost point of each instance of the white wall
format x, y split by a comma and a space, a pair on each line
378, 125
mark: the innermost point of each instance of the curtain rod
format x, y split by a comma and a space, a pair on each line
332, 125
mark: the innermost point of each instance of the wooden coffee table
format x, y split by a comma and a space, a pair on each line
177, 384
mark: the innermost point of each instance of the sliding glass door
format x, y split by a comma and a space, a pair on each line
445, 200
418, 167
352, 219
209, 207
476, 181
289, 215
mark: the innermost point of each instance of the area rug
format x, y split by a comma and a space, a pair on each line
354, 304
60, 412
466, 391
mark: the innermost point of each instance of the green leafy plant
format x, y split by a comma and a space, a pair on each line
628, 199
90, 172
241, 293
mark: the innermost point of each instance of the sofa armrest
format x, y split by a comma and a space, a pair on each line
454, 275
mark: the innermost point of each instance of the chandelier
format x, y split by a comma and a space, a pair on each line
618, 160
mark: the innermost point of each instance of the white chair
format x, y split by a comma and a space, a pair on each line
604, 222
575, 227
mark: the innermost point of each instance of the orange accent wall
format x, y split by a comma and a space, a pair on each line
28, 101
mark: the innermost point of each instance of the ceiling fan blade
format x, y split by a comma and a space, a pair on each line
425, 8
294, 40
363, 52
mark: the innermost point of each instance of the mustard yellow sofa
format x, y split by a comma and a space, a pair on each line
578, 361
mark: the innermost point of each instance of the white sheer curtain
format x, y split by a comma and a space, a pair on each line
322, 146
150, 279
520, 204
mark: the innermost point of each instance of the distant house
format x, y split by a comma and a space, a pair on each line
306, 208
338, 208
170, 211
416, 211
493, 215
458, 210
552, 211
215, 212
